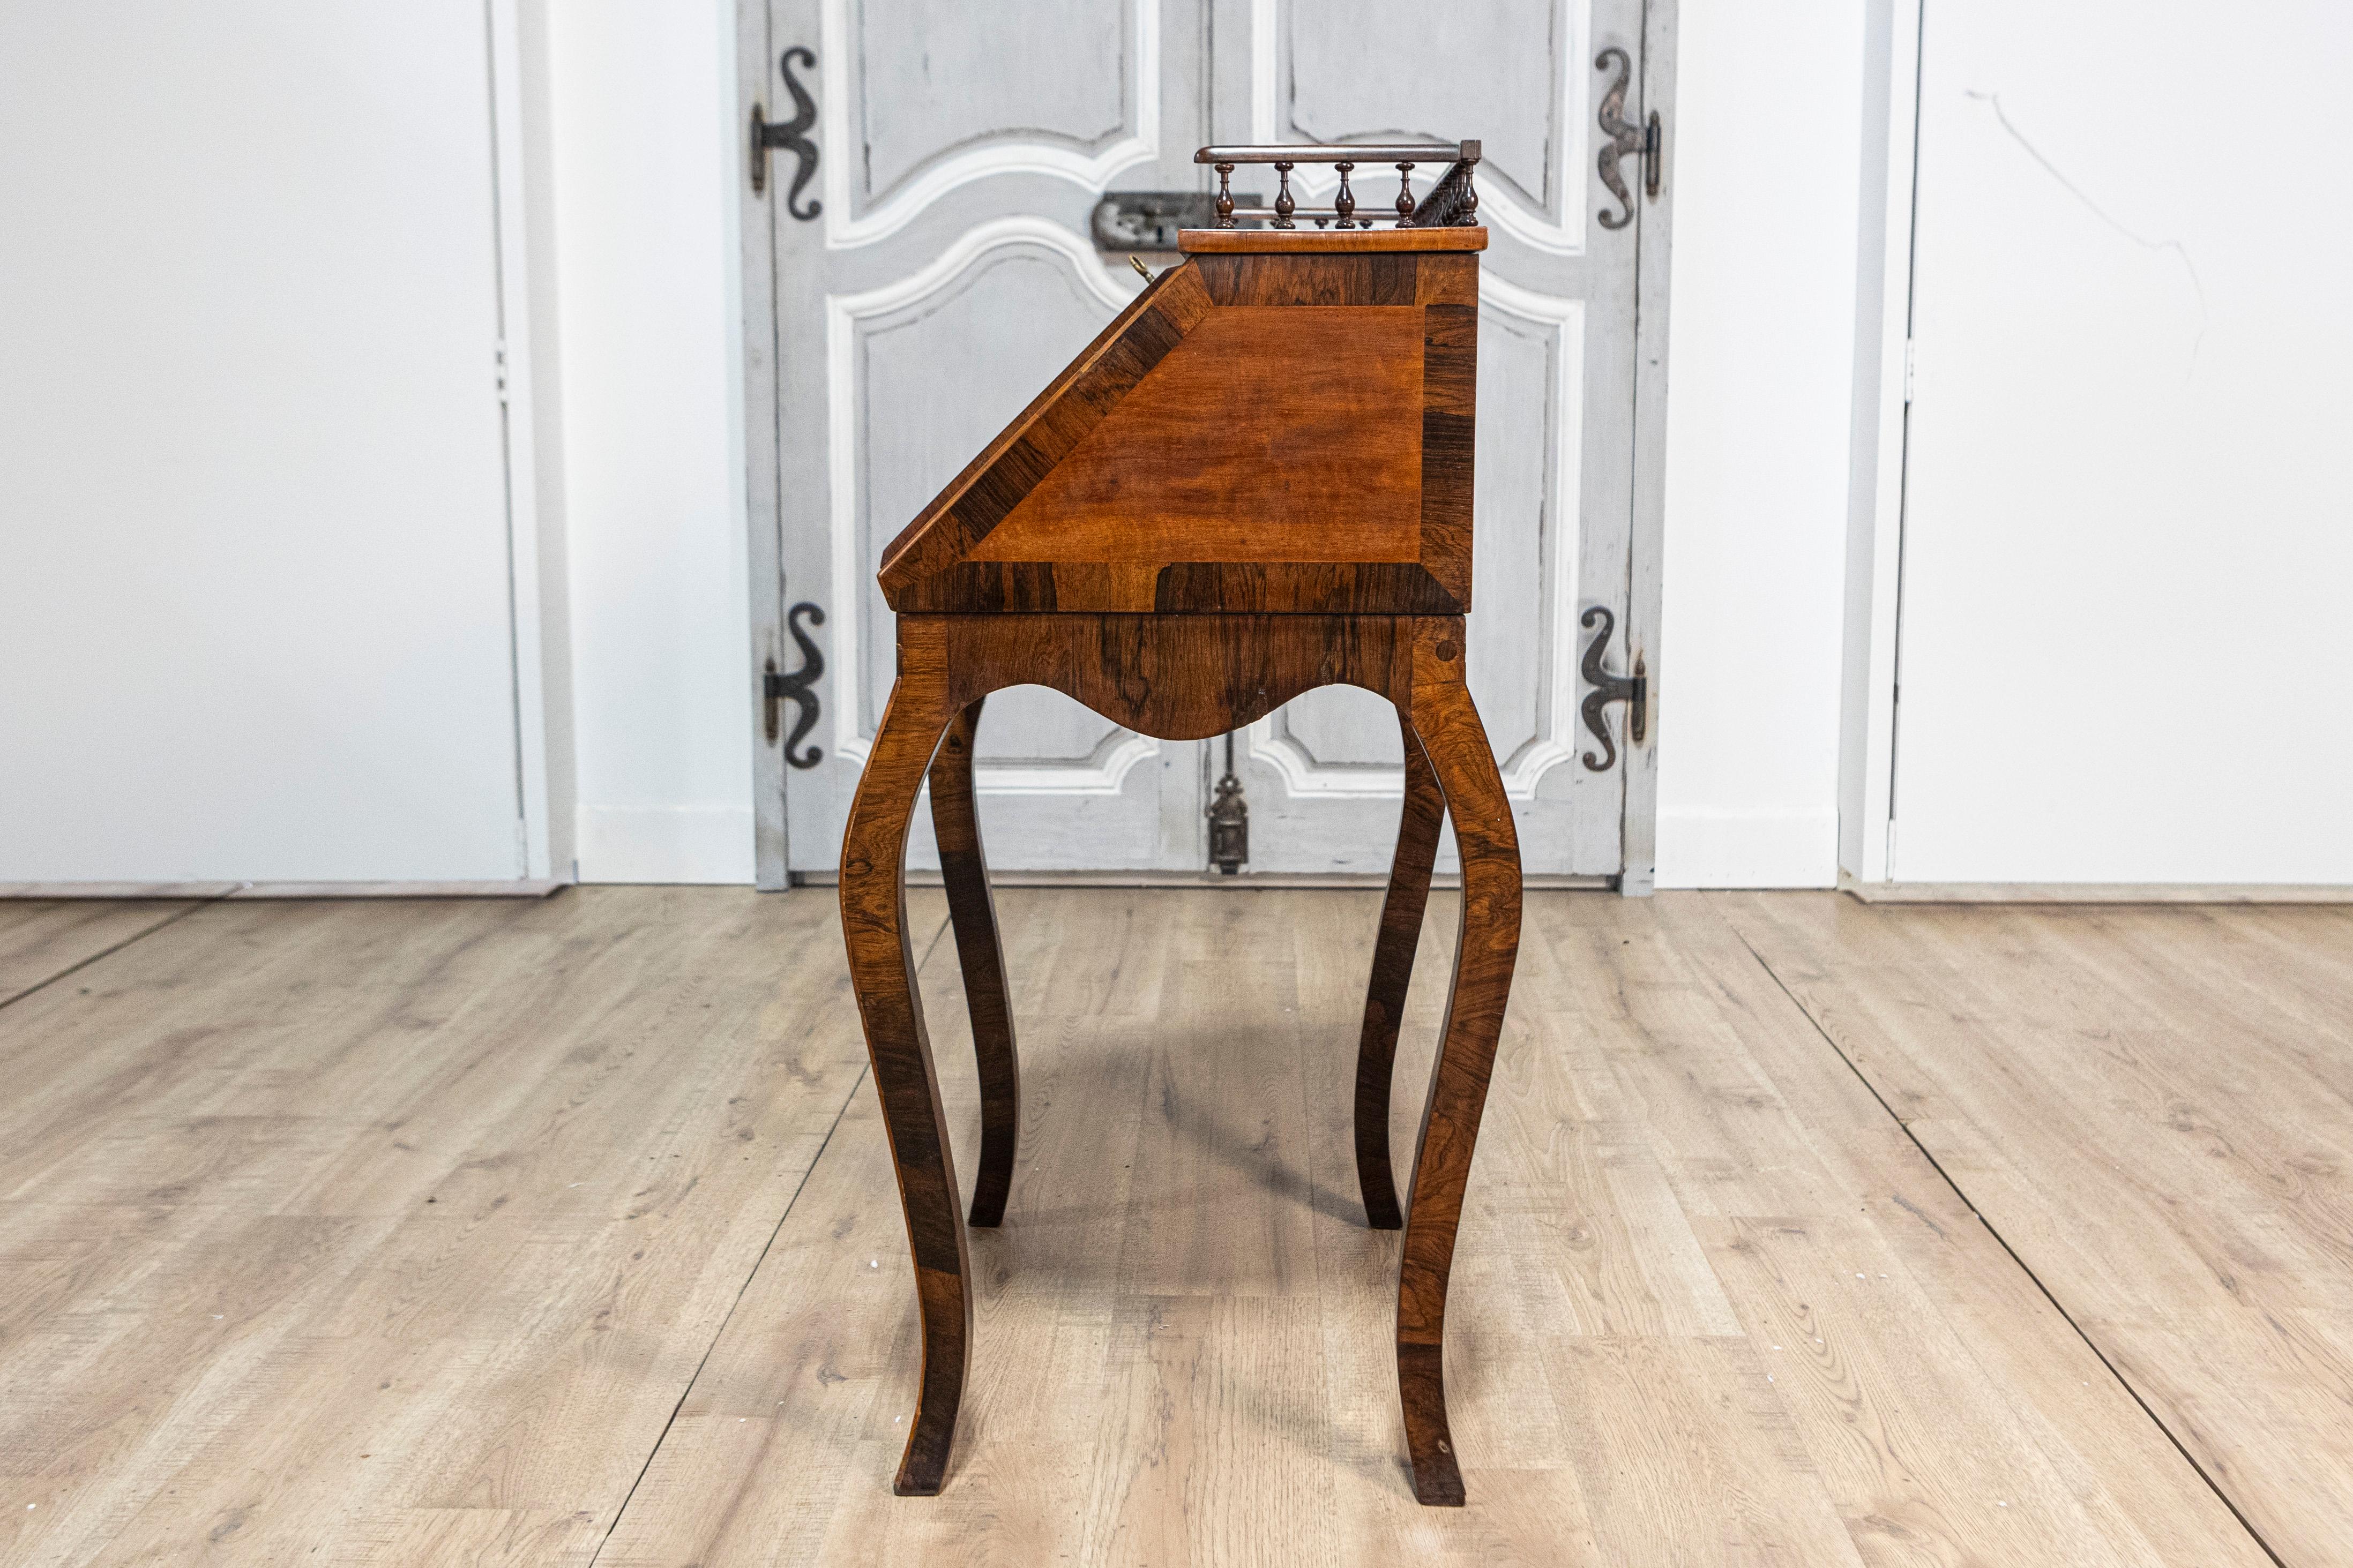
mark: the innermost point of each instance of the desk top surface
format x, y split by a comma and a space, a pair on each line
1308, 239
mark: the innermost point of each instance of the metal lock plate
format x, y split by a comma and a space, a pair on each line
1148, 220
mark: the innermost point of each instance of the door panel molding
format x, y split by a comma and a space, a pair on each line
848, 226
1073, 796
1544, 219
1106, 770
1874, 523
1553, 745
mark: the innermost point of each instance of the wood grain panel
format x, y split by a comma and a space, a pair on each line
1271, 435
1254, 435
1108, 369
1178, 677
1358, 279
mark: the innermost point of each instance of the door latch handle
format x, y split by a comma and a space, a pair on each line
792, 135
799, 689
1625, 140
1634, 690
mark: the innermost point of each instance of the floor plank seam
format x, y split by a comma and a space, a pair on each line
137, 936
2003, 1242
744, 1290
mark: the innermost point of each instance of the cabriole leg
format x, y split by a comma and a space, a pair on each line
955, 820
883, 971
1485, 952
1393, 950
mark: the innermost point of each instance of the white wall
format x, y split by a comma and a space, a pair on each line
642, 132
1758, 421
256, 566
1763, 324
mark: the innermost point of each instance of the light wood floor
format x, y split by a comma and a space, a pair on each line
1801, 1233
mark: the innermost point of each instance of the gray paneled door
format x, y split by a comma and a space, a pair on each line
936, 269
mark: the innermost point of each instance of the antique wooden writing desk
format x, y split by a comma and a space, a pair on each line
1256, 481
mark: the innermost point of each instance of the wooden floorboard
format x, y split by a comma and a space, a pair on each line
1712, 1305
41, 938
394, 1232
448, 1233
2155, 1109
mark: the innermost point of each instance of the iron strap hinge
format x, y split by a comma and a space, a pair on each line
799, 689
1624, 139
1634, 690
791, 135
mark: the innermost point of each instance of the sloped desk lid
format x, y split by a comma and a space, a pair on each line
1281, 423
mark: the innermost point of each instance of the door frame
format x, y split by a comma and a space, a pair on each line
522, 189
1646, 544
1882, 414
762, 463
755, 49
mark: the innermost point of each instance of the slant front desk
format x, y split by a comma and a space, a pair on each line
1256, 481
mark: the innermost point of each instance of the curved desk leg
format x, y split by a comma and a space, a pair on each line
956, 819
1485, 952
1417, 846
883, 971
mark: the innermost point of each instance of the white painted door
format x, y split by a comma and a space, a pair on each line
936, 271
932, 276
1555, 456
2124, 653
255, 590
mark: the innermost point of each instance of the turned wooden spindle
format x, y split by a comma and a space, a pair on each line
1225, 195
1283, 204
1345, 204
1405, 195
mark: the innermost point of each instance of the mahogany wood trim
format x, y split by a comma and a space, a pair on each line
963, 872
1207, 241
1176, 677
882, 972
1375, 279
1181, 677
1401, 933
1486, 952
1449, 401
1180, 587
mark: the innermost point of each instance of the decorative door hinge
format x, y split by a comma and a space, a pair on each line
1625, 140
797, 688
1634, 690
792, 135
1229, 820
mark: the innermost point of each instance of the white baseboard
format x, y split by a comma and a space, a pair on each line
665, 843
2095, 892
530, 887
1535, 881
1748, 849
